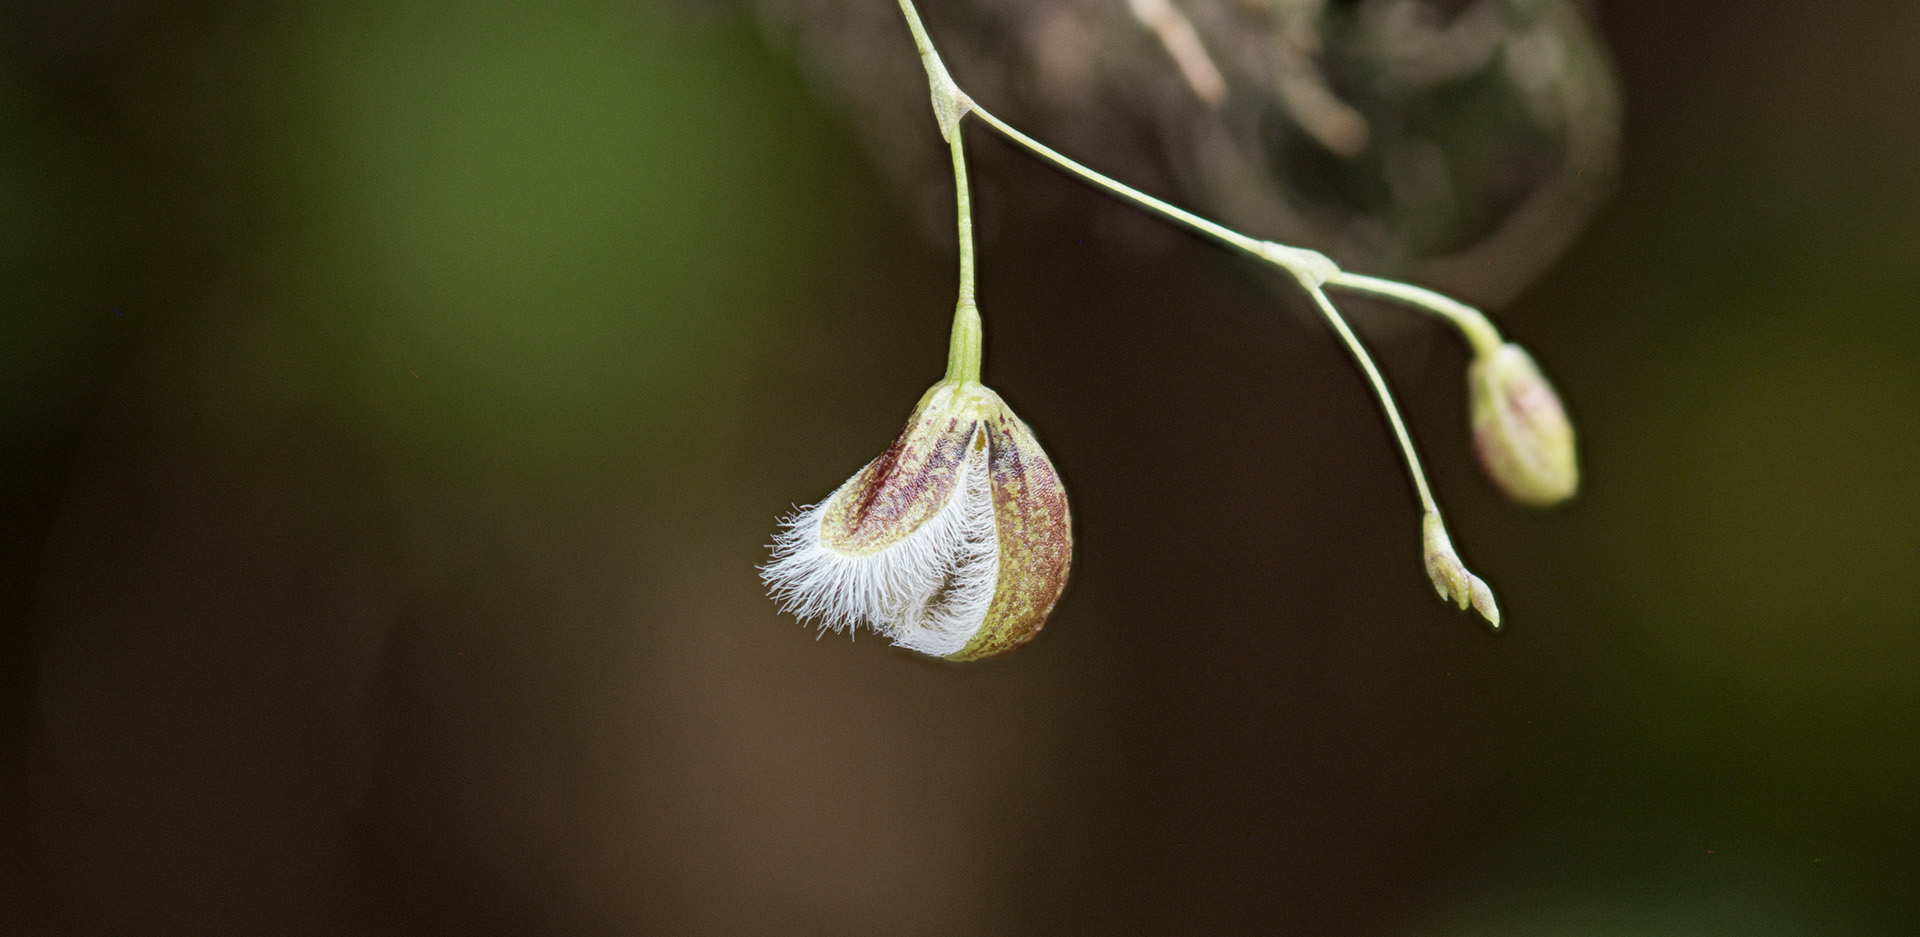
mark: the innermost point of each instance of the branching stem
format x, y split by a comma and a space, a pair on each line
1472, 324
1314, 271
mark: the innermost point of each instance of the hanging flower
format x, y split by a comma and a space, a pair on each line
955, 542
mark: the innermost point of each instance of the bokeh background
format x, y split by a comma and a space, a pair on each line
397, 400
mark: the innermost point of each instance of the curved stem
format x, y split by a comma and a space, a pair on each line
1310, 267
949, 105
1125, 192
1471, 323
1313, 270
1380, 392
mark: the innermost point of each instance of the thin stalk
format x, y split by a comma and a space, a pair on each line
949, 102
1312, 269
1471, 323
1381, 393
1125, 192
964, 348
1309, 274
963, 202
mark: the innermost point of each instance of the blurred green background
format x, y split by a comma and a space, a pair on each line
398, 400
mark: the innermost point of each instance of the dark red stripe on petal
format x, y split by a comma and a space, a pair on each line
1035, 533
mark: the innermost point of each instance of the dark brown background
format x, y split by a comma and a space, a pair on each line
398, 401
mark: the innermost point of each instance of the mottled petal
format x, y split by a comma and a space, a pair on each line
1035, 538
907, 485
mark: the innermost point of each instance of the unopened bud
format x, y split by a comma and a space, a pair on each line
955, 542
1520, 430
1450, 577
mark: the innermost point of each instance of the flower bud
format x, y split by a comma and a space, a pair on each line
1450, 576
955, 542
1520, 431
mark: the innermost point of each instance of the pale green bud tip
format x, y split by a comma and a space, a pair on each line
955, 542
1450, 577
1520, 430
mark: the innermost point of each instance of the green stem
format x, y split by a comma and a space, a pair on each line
1125, 192
949, 105
963, 202
949, 102
1310, 268
1380, 392
1471, 323
964, 349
